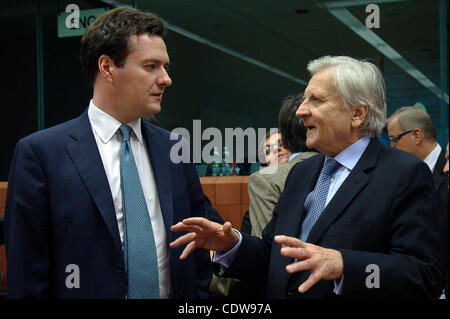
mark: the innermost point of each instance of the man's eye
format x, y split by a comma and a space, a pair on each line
150, 66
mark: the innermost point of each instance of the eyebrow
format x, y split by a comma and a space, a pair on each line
155, 61
315, 94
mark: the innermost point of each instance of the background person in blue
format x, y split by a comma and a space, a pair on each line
79, 192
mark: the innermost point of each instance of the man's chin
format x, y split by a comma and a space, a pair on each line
310, 143
153, 109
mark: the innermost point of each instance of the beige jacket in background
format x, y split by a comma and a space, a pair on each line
264, 190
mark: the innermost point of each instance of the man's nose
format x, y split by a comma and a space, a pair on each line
165, 79
302, 111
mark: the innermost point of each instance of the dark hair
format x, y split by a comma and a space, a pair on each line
109, 35
268, 134
292, 129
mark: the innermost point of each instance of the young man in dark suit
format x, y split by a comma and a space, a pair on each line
91, 201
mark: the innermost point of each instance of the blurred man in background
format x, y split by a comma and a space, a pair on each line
410, 129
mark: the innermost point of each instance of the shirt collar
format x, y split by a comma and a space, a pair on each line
105, 126
351, 155
293, 155
432, 158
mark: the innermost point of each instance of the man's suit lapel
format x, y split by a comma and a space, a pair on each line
353, 184
290, 225
86, 158
291, 215
158, 151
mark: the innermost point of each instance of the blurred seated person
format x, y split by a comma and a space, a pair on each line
271, 150
274, 150
288, 146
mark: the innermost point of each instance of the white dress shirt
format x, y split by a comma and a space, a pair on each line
109, 140
348, 159
432, 158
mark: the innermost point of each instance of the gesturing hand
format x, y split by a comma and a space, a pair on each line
203, 233
323, 263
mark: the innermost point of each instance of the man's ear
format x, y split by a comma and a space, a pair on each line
106, 68
418, 136
359, 113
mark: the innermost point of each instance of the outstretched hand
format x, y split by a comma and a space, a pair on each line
203, 233
323, 263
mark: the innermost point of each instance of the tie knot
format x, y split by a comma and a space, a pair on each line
330, 166
126, 131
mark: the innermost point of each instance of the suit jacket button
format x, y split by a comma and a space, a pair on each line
120, 269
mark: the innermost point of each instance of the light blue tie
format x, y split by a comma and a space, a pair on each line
315, 202
141, 262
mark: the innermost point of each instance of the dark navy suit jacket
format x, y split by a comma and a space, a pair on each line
384, 214
441, 186
59, 211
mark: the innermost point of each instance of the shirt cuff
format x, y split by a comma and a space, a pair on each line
338, 283
226, 258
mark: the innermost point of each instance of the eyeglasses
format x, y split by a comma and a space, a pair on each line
397, 138
271, 147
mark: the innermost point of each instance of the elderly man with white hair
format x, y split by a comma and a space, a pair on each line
358, 220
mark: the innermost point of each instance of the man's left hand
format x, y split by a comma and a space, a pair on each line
323, 263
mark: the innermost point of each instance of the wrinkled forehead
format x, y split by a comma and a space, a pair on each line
323, 82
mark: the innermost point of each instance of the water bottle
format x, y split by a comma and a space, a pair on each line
215, 166
226, 167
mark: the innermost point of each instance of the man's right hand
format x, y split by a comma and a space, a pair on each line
203, 233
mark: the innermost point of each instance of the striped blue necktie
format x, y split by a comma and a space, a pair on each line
140, 258
315, 201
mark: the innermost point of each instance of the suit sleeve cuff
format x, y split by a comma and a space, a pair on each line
226, 258
338, 284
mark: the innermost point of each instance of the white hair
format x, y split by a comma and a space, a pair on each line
357, 82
